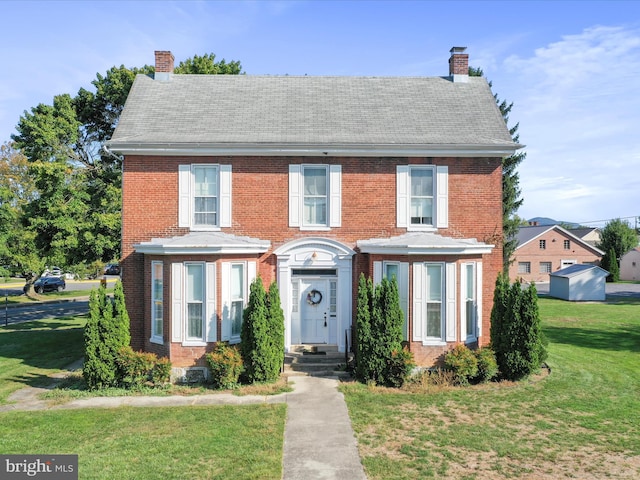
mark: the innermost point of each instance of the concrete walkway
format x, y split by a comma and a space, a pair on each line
318, 439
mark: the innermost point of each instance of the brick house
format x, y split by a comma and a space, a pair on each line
545, 249
309, 182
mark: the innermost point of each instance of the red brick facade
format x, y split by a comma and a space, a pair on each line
549, 252
260, 210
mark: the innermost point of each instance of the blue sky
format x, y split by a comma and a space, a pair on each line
571, 68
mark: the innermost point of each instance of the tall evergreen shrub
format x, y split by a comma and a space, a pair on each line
610, 264
275, 318
516, 335
255, 346
379, 321
105, 334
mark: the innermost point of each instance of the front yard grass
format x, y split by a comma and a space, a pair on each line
581, 421
213, 442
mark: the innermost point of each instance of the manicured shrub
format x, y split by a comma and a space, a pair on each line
275, 319
256, 343
225, 365
106, 332
380, 357
463, 363
487, 365
516, 336
399, 368
138, 369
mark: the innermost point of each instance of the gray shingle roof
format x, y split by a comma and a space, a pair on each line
289, 110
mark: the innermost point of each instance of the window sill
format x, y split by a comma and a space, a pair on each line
194, 343
234, 340
434, 343
158, 340
413, 228
315, 229
199, 228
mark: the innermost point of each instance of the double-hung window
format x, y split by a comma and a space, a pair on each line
434, 296
204, 196
195, 301
422, 197
315, 196
399, 271
157, 307
470, 299
237, 298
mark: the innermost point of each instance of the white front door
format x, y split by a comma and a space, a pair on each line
314, 310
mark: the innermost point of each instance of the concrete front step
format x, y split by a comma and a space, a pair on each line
319, 364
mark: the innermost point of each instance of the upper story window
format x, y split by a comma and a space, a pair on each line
567, 244
422, 197
204, 196
543, 244
315, 196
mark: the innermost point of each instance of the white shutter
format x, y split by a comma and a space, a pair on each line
377, 273
225, 280
211, 318
177, 306
251, 275
450, 296
225, 195
294, 196
335, 197
442, 199
402, 196
403, 290
463, 302
418, 302
184, 195
479, 299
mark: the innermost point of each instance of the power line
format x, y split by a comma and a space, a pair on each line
608, 220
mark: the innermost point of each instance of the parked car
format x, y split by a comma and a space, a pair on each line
48, 284
52, 272
112, 269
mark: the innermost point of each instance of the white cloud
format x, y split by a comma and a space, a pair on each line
579, 110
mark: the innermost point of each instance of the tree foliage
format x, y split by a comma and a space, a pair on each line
74, 211
516, 335
619, 236
610, 264
511, 200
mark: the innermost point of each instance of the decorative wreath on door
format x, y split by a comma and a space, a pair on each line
314, 297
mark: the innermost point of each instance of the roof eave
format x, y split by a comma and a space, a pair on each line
312, 150
158, 249
427, 250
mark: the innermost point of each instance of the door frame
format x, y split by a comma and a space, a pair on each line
315, 253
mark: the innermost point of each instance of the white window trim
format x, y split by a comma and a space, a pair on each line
296, 197
156, 338
185, 199
440, 196
192, 342
471, 337
250, 268
379, 269
179, 305
420, 303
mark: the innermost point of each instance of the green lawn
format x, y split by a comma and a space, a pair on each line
582, 421
243, 442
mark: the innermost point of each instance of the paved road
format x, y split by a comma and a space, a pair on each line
39, 311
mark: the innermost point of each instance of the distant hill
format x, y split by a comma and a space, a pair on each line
544, 221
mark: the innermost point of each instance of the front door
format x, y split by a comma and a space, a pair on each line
314, 310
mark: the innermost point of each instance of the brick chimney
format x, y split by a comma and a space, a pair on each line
459, 65
164, 65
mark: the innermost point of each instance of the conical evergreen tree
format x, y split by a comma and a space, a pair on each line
255, 335
363, 344
275, 317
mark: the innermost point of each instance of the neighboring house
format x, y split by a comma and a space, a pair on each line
590, 235
630, 265
545, 249
309, 182
579, 283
